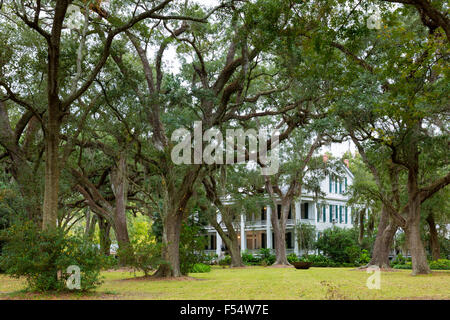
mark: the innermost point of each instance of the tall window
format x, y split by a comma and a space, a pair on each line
324, 213
289, 240
263, 213
305, 211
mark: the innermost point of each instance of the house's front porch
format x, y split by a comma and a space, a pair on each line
254, 241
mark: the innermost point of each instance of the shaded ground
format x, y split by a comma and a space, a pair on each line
255, 283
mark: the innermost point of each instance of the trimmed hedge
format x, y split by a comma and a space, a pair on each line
319, 260
441, 264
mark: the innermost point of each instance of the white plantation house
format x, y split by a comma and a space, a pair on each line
256, 232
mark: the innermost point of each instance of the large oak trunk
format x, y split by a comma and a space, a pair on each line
171, 246
434, 241
120, 189
233, 244
417, 250
279, 231
412, 230
383, 241
236, 258
55, 115
105, 239
51, 188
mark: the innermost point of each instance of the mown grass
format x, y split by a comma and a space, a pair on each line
255, 283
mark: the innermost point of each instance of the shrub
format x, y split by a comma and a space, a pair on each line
143, 255
399, 259
249, 259
319, 260
210, 259
109, 262
200, 268
364, 258
42, 257
306, 238
292, 257
352, 254
441, 264
267, 258
192, 243
226, 261
339, 245
407, 265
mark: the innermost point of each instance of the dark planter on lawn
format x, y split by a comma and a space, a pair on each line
302, 265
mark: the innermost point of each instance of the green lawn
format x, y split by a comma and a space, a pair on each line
257, 283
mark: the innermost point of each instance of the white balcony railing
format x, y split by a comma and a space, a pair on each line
256, 223
257, 251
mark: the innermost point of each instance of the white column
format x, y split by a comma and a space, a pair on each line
268, 228
298, 215
218, 238
218, 245
243, 239
315, 213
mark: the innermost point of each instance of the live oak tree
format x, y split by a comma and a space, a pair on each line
401, 103
229, 215
233, 191
87, 110
288, 184
220, 90
67, 74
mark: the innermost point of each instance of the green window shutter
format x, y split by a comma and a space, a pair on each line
336, 213
318, 214
324, 213
340, 185
336, 184
346, 221
340, 214
331, 183
345, 181
331, 213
